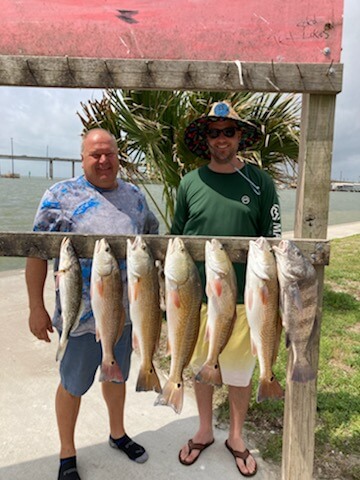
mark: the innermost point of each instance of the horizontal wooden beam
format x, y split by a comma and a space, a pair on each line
73, 72
47, 245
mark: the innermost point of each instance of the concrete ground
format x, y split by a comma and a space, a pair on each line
28, 433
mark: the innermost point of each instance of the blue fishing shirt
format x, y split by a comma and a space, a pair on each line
77, 206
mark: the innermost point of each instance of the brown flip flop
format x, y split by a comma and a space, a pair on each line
194, 446
243, 455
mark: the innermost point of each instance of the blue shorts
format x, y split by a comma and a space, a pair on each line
83, 356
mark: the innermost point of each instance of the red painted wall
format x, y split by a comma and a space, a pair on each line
247, 30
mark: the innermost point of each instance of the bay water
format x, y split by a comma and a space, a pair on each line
19, 199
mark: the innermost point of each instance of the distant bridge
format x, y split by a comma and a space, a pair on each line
51, 161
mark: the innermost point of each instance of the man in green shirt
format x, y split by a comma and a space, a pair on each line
225, 198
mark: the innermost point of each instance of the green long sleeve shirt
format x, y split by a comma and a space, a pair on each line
218, 204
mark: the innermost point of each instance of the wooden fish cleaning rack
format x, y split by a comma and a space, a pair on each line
317, 81
46, 245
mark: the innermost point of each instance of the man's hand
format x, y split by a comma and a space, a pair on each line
40, 323
39, 319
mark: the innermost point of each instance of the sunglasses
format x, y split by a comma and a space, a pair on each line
228, 132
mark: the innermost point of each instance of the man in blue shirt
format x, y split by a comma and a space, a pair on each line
98, 203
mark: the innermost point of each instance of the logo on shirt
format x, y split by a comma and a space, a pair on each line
275, 212
275, 215
245, 200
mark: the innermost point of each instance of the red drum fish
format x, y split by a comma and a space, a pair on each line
107, 306
262, 311
183, 301
145, 313
221, 290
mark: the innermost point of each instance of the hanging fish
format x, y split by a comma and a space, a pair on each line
69, 282
221, 290
107, 305
262, 312
183, 302
298, 301
145, 313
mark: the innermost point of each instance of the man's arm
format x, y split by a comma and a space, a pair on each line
39, 319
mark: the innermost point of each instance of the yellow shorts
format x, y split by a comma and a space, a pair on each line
236, 360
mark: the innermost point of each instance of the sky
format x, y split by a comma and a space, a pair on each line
44, 121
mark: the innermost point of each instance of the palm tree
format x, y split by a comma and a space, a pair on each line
150, 125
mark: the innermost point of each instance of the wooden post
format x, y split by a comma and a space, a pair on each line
312, 208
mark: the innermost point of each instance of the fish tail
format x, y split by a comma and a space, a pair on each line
269, 389
110, 372
148, 380
302, 372
61, 349
210, 374
172, 395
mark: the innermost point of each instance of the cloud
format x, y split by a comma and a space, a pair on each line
41, 121
346, 153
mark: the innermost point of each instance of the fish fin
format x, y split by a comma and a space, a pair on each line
77, 321
227, 338
110, 372
302, 371
249, 298
207, 334
97, 335
175, 298
135, 342
269, 389
208, 290
61, 349
218, 287
99, 285
313, 331
148, 380
295, 296
253, 347
57, 279
168, 348
136, 289
172, 396
130, 292
264, 294
210, 374
277, 339
121, 325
